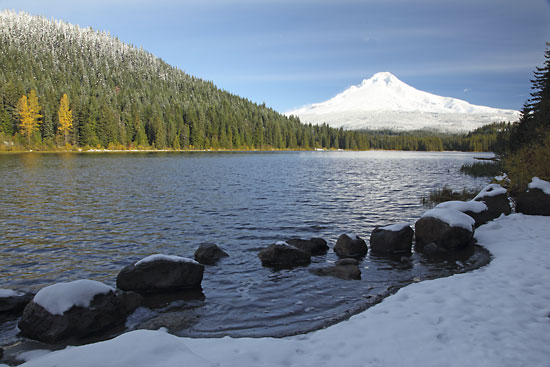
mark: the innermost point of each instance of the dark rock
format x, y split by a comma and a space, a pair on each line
430, 229
347, 246
315, 246
283, 256
13, 306
160, 275
383, 241
533, 202
1, 353
209, 254
496, 204
105, 312
347, 261
346, 272
432, 249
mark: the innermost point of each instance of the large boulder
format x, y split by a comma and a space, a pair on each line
209, 254
536, 200
496, 199
447, 228
74, 310
283, 256
12, 303
347, 272
350, 245
161, 273
478, 210
392, 239
315, 246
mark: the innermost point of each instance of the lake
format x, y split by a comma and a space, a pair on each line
70, 216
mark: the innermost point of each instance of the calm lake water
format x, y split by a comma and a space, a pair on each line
71, 216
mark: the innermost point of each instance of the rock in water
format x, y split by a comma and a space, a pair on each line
448, 228
391, 240
12, 303
209, 254
283, 256
161, 273
350, 246
347, 272
315, 246
47, 323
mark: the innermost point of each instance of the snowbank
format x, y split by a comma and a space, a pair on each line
464, 206
172, 258
395, 227
452, 217
60, 297
537, 183
496, 316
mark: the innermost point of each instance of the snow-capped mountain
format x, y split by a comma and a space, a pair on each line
385, 102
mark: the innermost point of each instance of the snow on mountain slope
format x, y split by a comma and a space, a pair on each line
385, 102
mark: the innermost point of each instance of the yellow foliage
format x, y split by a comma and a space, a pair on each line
65, 116
526, 163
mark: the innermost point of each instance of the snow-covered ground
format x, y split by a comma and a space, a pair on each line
498, 316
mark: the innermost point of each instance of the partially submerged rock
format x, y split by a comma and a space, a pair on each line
74, 310
12, 303
209, 254
448, 228
392, 239
161, 273
496, 199
315, 246
347, 261
478, 210
347, 272
350, 246
283, 256
536, 200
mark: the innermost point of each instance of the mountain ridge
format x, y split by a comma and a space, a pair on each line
385, 102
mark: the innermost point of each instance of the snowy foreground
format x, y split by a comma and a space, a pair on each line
498, 316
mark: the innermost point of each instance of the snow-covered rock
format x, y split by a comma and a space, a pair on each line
385, 102
497, 201
74, 310
475, 209
12, 303
536, 200
161, 273
446, 228
315, 246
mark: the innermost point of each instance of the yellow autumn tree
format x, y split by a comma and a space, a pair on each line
65, 117
29, 114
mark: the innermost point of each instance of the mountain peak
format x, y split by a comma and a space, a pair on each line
385, 102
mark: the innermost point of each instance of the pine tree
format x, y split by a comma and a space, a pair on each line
65, 116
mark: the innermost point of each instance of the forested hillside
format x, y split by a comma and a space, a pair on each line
120, 96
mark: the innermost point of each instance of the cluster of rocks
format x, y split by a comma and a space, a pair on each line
66, 312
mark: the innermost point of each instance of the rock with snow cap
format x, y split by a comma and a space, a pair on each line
74, 310
496, 199
350, 245
283, 256
447, 228
209, 254
315, 246
161, 273
536, 200
12, 303
478, 210
392, 239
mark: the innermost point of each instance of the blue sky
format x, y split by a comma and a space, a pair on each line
288, 53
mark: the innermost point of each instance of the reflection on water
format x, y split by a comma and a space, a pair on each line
72, 216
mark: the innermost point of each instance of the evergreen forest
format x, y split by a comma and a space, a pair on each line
62, 87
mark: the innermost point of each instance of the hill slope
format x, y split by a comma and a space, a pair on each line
385, 102
124, 96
